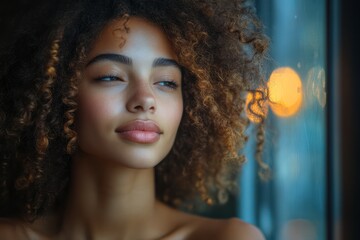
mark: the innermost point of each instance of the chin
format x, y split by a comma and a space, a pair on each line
139, 163
140, 159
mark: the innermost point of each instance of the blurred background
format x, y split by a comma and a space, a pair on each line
312, 124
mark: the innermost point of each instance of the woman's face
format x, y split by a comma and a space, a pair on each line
130, 101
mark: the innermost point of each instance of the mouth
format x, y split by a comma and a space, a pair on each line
140, 131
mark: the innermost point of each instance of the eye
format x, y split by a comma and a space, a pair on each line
168, 84
109, 78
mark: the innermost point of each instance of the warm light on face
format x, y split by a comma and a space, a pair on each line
256, 106
285, 92
130, 96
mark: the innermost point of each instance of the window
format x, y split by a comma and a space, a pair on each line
291, 205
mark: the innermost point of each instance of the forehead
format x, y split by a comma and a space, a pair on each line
133, 36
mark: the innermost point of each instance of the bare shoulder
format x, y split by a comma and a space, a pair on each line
180, 225
234, 228
11, 229
222, 229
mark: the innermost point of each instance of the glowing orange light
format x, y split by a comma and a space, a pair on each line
256, 106
285, 92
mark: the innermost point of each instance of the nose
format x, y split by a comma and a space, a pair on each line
141, 99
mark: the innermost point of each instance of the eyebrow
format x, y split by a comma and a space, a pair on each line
158, 62
111, 57
164, 62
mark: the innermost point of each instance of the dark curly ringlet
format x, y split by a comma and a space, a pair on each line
220, 46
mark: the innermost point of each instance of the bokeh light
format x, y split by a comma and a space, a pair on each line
316, 85
285, 92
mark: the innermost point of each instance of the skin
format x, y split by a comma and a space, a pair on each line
112, 195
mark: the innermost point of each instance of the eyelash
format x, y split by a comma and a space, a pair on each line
165, 83
169, 84
110, 77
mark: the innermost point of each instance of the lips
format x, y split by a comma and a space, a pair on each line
140, 131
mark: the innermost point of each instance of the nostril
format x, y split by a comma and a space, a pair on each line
141, 97
141, 103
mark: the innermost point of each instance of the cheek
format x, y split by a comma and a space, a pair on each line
96, 110
173, 113
179, 113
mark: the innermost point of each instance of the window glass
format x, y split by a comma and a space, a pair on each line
291, 205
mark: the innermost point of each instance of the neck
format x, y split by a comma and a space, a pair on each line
105, 197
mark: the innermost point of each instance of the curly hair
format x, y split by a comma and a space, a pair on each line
220, 45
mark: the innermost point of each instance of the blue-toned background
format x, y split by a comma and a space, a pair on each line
291, 205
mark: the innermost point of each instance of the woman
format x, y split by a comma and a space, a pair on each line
119, 112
